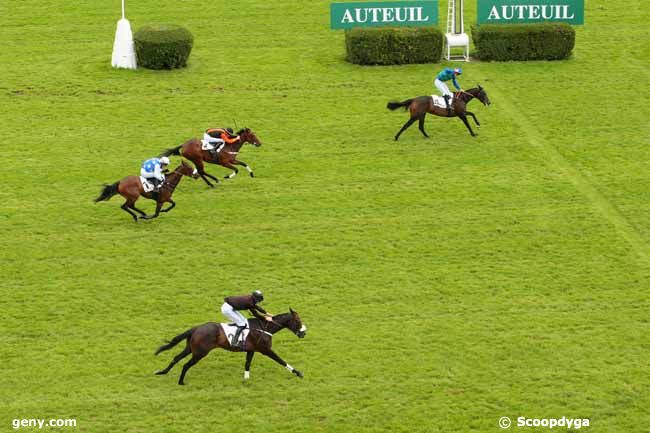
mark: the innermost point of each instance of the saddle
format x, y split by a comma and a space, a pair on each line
230, 328
206, 145
146, 185
439, 101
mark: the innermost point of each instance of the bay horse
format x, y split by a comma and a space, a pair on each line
131, 189
420, 106
203, 338
227, 157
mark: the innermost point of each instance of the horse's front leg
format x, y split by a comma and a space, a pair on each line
233, 168
171, 206
271, 354
247, 368
155, 215
478, 124
463, 117
242, 163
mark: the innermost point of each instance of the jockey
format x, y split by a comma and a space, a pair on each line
446, 75
219, 137
233, 304
153, 169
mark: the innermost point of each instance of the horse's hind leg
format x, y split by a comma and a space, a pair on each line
126, 207
177, 358
201, 170
250, 171
406, 125
195, 358
474, 117
421, 125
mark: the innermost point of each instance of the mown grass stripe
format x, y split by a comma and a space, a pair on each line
558, 162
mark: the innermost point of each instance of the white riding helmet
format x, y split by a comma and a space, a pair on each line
164, 160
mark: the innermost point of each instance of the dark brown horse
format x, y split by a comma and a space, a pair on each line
131, 189
420, 106
203, 338
227, 157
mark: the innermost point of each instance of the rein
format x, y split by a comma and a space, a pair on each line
174, 184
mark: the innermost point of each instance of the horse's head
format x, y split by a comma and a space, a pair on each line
295, 324
185, 169
482, 96
248, 136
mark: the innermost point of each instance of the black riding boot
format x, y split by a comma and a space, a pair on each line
447, 104
235, 337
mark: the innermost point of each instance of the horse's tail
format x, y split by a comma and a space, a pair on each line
396, 105
174, 341
108, 192
173, 151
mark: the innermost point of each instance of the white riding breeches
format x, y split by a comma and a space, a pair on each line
442, 87
209, 139
233, 314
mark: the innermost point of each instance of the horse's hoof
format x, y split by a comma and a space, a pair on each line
252, 175
159, 372
181, 383
298, 373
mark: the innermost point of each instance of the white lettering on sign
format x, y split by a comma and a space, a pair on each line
384, 15
531, 12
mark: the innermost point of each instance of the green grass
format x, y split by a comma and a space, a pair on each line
445, 282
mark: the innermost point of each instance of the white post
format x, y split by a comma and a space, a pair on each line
123, 49
456, 36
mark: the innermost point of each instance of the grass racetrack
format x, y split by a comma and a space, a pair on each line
445, 282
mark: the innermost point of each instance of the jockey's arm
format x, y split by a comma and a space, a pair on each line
455, 83
228, 139
157, 172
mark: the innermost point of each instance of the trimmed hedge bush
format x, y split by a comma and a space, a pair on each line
545, 41
393, 45
163, 46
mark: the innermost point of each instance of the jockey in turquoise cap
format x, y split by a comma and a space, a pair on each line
446, 75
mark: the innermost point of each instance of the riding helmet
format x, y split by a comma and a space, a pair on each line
257, 294
458, 71
164, 160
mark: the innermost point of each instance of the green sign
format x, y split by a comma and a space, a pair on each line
530, 11
376, 14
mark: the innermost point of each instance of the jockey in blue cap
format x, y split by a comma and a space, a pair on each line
446, 75
153, 170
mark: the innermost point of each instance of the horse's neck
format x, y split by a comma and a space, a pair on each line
467, 95
173, 179
234, 147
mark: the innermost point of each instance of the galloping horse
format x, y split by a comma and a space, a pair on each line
420, 106
191, 150
203, 338
131, 189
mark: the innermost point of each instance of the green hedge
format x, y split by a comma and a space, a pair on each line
163, 46
547, 41
393, 45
